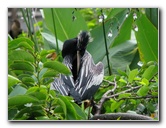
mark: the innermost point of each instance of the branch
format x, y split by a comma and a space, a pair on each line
106, 96
128, 90
110, 83
138, 97
120, 116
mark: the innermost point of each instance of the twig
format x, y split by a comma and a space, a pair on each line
104, 98
110, 83
138, 97
128, 90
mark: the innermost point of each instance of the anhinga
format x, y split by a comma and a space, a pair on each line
15, 29
86, 77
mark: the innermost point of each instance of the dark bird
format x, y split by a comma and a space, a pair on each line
86, 77
15, 29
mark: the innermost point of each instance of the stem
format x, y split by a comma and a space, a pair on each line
24, 16
29, 23
106, 47
57, 46
29, 12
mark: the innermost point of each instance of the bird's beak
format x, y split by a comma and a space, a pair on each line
78, 61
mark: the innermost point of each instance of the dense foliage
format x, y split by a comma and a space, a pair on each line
125, 40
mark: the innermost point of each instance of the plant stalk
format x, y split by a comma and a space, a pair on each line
56, 38
106, 47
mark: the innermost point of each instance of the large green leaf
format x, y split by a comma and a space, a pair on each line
51, 40
147, 39
63, 106
71, 112
18, 90
132, 75
80, 113
21, 42
25, 66
21, 100
121, 56
97, 47
20, 55
124, 31
12, 81
65, 26
115, 105
150, 72
38, 92
143, 91
152, 14
57, 66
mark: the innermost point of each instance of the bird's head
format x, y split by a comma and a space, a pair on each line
82, 40
16, 24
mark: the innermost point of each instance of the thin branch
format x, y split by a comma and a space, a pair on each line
104, 98
128, 90
138, 97
110, 83
112, 90
107, 96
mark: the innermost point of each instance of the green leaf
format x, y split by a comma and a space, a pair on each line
21, 42
12, 81
71, 112
51, 40
114, 12
65, 26
121, 56
143, 91
115, 105
121, 72
57, 66
124, 95
18, 90
28, 80
30, 112
145, 81
38, 92
63, 106
147, 39
124, 31
97, 47
152, 14
46, 52
11, 113
132, 75
21, 100
20, 55
80, 113
122, 80
50, 73
150, 72
25, 66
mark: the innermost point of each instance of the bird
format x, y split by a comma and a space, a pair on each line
15, 29
86, 76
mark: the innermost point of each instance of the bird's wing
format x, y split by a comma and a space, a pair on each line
90, 77
64, 83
